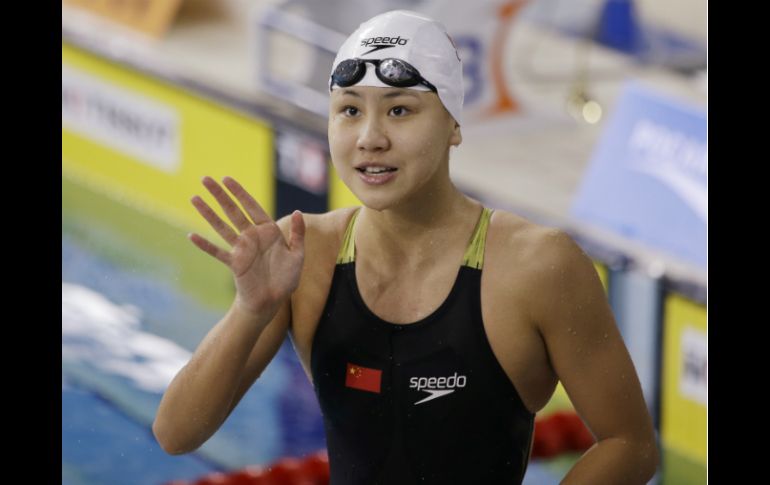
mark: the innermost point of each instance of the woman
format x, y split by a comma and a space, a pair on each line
432, 328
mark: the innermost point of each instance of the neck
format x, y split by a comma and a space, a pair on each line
417, 231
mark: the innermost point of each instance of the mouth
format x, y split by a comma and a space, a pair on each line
374, 170
374, 175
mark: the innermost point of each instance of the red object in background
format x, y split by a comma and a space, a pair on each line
577, 435
317, 466
582, 439
549, 440
250, 475
311, 470
215, 478
363, 378
289, 471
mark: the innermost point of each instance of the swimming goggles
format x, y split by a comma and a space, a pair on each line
393, 72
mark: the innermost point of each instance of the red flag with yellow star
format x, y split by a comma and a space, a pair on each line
363, 378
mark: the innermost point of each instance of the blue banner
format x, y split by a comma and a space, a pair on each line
648, 177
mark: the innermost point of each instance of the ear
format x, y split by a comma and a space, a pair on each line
456, 137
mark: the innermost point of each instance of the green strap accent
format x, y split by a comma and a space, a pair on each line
474, 255
347, 252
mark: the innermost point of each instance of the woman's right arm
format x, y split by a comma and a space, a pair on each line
238, 348
222, 369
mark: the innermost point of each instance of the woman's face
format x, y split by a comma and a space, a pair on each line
402, 129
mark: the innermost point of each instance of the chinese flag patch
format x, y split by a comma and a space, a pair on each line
363, 378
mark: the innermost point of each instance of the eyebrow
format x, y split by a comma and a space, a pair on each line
395, 94
388, 95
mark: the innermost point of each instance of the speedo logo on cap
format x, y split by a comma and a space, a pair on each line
437, 386
378, 43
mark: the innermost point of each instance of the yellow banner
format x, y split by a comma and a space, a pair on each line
685, 378
339, 194
148, 144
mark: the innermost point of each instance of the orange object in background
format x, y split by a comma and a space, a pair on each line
151, 18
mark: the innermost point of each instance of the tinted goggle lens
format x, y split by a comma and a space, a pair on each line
397, 73
348, 72
393, 72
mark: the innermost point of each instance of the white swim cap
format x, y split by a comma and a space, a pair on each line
414, 38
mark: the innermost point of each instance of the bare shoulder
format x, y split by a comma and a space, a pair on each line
528, 264
547, 265
328, 228
323, 229
545, 271
323, 237
515, 240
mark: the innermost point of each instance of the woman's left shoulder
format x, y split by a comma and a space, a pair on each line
508, 225
514, 236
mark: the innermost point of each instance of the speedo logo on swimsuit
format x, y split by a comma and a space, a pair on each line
437, 386
379, 43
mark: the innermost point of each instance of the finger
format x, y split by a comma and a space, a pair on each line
232, 210
253, 209
297, 233
216, 222
210, 248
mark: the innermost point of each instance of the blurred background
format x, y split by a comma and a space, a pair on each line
587, 115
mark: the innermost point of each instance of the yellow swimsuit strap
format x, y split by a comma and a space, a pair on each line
474, 254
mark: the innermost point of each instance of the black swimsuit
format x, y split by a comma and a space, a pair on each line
419, 403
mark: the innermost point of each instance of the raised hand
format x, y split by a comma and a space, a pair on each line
266, 269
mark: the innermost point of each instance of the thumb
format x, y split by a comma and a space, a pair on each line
297, 234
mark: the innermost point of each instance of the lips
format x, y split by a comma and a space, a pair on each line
380, 178
374, 167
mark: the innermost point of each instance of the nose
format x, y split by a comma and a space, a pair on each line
372, 136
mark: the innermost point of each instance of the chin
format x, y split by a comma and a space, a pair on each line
377, 202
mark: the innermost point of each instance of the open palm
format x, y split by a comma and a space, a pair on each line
266, 269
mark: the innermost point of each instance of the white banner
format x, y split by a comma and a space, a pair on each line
120, 119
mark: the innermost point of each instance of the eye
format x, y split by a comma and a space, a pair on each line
350, 111
400, 111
